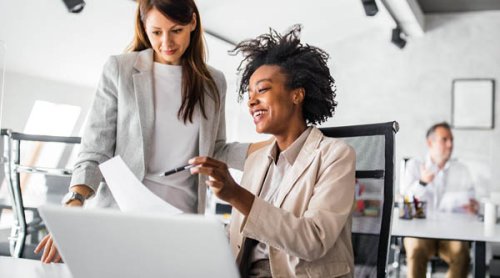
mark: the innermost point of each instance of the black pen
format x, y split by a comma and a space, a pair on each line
178, 169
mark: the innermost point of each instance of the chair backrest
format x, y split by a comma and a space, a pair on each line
13, 166
374, 146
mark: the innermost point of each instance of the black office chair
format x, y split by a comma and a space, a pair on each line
24, 233
374, 146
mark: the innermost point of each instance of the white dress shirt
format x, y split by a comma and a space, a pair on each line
450, 190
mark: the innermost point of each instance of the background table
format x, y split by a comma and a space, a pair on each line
451, 226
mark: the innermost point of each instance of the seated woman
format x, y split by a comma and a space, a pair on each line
292, 215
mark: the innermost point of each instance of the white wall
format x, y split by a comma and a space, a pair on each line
43, 39
21, 92
378, 82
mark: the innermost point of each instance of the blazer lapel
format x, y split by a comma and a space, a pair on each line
144, 95
304, 159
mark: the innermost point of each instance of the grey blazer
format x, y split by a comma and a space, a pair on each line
121, 122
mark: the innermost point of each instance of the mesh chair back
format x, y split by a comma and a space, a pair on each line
374, 146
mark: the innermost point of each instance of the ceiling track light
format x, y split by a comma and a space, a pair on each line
370, 7
74, 6
397, 37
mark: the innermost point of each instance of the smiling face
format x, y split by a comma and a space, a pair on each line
275, 109
168, 38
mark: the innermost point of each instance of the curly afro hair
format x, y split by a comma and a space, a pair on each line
303, 65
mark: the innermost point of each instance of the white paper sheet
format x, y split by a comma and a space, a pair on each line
129, 193
454, 201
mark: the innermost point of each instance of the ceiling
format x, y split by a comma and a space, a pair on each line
324, 22
43, 39
447, 6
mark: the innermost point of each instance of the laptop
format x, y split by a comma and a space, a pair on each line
108, 243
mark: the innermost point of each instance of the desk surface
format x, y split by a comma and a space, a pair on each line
13, 267
456, 226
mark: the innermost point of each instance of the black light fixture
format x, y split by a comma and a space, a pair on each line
370, 7
397, 38
74, 6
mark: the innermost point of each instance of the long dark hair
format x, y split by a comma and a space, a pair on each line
195, 73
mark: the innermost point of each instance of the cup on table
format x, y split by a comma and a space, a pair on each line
490, 217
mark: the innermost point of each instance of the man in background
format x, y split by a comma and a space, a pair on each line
445, 185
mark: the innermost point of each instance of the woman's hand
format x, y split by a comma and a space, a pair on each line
50, 253
220, 180
222, 183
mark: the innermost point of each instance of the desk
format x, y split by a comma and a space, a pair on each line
13, 267
453, 226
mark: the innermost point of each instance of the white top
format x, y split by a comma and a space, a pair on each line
451, 188
278, 168
174, 142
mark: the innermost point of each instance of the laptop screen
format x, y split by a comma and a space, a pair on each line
108, 243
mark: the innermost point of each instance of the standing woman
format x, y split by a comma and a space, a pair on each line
156, 107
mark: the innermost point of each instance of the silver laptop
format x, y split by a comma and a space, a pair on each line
107, 243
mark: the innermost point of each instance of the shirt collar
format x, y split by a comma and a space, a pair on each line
291, 153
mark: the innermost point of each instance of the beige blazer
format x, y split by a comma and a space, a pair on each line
309, 230
121, 122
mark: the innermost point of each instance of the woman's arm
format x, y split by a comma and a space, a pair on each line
309, 236
99, 136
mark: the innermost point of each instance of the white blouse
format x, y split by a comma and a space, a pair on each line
174, 142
